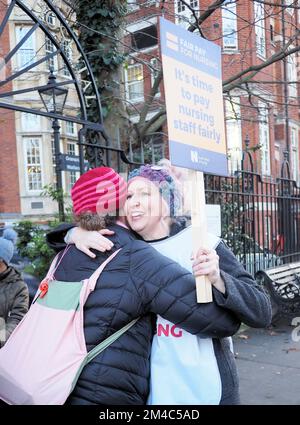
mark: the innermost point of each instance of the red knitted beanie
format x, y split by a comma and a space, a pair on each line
99, 190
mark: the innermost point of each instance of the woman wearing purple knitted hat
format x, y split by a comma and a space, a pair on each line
186, 369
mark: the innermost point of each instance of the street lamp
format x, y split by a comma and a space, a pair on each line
54, 99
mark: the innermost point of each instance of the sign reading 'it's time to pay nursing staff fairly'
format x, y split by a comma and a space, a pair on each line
195, 115
194, 101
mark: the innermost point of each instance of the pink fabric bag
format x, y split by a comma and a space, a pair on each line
44, 356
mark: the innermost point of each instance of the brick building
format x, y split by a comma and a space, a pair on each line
27, 153
265, 108
9, 176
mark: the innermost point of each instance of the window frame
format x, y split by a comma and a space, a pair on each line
154, 74
66, 46
73, 133
260, 29
27, 165
232, 122
231, 11
31, 40
30, 127
291, 62
183, 17
52, 62
295, 150
264, 129
128, 83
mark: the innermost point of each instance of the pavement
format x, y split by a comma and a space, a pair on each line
268, 362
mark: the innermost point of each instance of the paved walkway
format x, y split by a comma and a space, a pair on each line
269, 364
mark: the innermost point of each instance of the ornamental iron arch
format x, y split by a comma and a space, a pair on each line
85, 89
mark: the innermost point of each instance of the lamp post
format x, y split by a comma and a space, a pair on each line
54, 99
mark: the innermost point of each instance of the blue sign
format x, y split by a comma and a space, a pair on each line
194, 100
71, 163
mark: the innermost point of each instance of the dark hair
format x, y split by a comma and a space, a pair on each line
93, 221
179, 223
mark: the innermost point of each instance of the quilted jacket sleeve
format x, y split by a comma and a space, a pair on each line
243, 296
55, 238
168, 289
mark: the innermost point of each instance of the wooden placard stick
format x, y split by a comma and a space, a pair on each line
199, 226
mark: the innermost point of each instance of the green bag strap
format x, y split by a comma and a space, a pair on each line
108, 341
101, 347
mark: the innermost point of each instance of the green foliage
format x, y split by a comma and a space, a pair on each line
99, 34
32, 245
50, 191
25, 230
32, 238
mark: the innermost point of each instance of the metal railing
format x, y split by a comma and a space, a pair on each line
260, 217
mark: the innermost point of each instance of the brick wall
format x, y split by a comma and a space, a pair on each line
9, 177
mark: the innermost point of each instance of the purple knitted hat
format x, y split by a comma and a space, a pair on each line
165, 183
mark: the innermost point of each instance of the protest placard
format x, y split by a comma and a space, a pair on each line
195, 115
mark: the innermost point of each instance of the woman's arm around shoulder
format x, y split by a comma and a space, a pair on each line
167, 289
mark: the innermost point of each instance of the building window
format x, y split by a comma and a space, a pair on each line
229, 25
290, 3
67, 49
71, 148
268, 231
26, 52
295, 153
155, 69
50, 48
134, 80
154, 148
132, 5
183, 14
233, 134
292, 74
145, 37
33, 164
73, 175
72, 179
53, 163
264, 139
30, 122
70, 128
259, 20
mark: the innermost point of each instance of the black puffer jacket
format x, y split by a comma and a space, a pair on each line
13, 301
138, 282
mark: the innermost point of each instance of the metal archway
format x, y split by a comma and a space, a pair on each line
75, 81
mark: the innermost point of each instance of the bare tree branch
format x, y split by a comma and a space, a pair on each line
145, 109
209, 11
150, 123
236, 80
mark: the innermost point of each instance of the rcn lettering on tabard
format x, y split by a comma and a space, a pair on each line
167, 329
194, 101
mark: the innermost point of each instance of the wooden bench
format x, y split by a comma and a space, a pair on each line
283, 285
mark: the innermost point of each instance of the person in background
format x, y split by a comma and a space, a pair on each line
14, 297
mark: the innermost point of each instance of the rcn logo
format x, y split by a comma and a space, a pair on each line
167, 330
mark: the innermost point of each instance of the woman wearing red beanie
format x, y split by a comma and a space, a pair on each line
204, 379
135, 284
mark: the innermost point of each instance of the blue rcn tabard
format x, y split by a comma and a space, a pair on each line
184, 368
